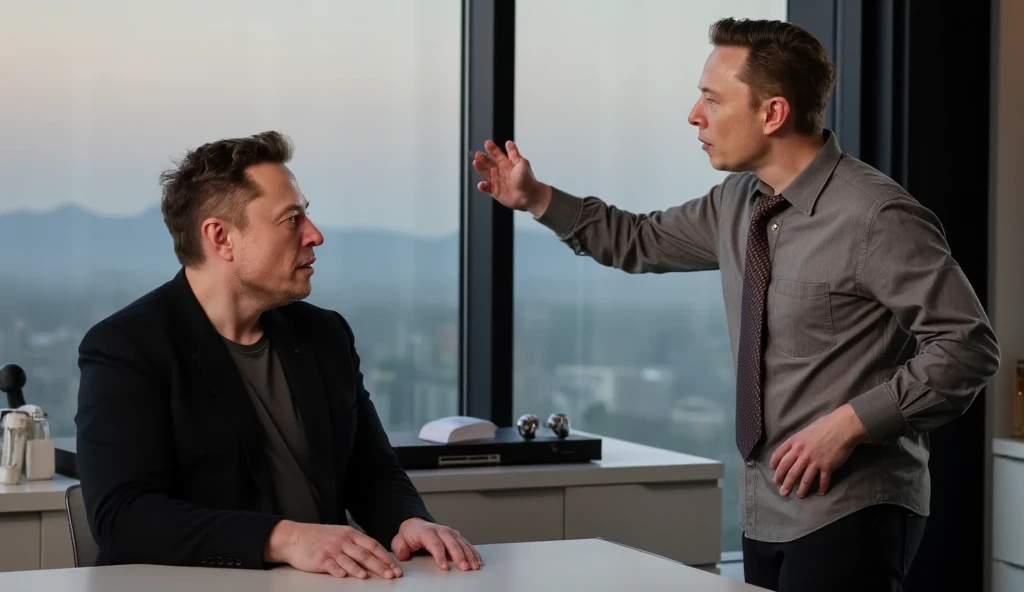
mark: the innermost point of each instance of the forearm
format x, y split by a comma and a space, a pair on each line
682, 238
930, 390
149, 527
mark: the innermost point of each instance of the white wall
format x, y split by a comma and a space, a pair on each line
1006, 267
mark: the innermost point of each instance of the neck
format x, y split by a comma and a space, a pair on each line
233, 315
789, 158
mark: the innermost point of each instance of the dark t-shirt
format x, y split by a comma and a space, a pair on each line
283, 438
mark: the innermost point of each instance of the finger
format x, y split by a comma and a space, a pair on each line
794, 474
378, 551
513, 152
401, 548
369, 559
484, 186
469, 552
779, 454
494, 152
823, 482
805, 483
455, 550
350, 566
329, 565
784, 466
432, 543
482, 165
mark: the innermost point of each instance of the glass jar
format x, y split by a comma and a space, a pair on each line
16, 428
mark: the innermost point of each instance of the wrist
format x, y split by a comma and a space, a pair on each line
409, 522
540, 201
280, 542
856, 433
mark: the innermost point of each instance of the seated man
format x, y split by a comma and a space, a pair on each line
223, 423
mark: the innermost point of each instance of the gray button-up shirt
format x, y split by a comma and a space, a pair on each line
866, 306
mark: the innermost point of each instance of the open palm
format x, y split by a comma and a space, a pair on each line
507, 178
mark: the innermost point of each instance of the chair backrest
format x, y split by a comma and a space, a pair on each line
82, 544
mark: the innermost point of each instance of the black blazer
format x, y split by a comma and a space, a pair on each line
169, 447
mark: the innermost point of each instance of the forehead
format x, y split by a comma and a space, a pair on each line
723, 67
278, 186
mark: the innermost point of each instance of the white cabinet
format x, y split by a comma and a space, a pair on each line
1007, 515
661, 518
504, 516
655, 500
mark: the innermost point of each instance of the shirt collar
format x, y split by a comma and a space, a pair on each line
803, 192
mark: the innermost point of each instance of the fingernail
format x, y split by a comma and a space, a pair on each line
465, 565
444, 565
389, 574
362, 574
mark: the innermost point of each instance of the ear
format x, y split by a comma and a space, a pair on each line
217, 240
776, 113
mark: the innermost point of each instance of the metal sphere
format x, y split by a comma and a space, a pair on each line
559, 424
527, 425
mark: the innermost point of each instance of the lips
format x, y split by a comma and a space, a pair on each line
307, 264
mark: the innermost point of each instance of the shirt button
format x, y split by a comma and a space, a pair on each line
750, 463
775, 226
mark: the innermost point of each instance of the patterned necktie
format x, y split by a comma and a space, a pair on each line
757, 275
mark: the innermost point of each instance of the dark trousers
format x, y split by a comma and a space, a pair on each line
869, 550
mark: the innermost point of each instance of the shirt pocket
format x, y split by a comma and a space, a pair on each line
800, 318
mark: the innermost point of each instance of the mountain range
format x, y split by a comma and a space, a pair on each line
74, 246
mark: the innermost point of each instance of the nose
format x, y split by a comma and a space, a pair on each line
313, 235
696, 117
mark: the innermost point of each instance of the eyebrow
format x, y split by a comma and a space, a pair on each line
296, 208
705, 89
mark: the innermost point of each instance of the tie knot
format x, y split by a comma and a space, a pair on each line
767, 205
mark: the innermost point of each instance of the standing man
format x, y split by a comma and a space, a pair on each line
854, 331
221, 421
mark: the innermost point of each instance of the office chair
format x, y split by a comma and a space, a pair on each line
82, 544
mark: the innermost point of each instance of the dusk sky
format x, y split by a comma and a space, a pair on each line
100, 95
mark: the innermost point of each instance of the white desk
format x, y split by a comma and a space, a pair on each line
589, 565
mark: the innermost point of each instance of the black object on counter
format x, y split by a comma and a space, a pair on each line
12, 380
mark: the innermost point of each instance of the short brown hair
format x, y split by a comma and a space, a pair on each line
784, 60
211, 181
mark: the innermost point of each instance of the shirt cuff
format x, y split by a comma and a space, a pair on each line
878, 411
562, 213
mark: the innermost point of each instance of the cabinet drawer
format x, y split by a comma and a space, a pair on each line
680, 521
19, 542
508, 516
1008, 510
1006, 578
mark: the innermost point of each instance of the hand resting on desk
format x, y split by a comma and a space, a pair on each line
343, 551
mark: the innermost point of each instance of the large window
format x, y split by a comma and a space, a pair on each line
603, 90
97, 99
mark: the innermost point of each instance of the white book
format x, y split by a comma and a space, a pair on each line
457, 428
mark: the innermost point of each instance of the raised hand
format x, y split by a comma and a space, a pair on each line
509, 179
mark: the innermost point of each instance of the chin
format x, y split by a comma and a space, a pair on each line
718, 165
